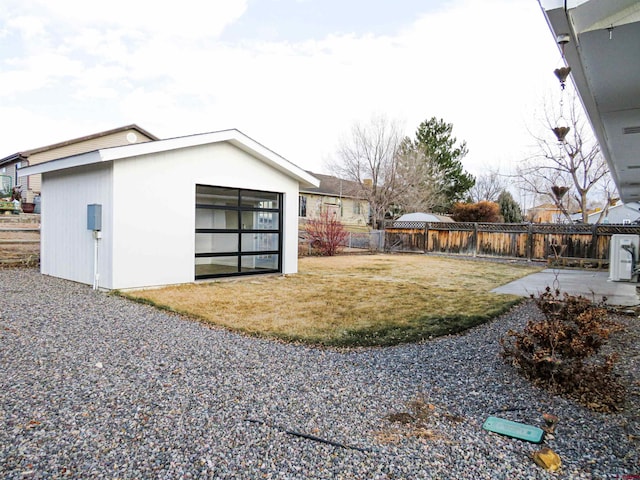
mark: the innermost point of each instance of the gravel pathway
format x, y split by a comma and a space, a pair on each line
95, 386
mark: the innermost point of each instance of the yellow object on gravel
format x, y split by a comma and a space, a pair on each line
547, 459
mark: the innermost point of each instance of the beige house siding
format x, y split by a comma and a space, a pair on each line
31, 186
545, 213
352, 212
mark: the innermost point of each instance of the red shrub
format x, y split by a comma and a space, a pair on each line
326, 234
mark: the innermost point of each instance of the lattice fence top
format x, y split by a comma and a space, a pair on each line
407, 225
430, 226
452, 226
535, 228
561, 228
503, 227
614, 229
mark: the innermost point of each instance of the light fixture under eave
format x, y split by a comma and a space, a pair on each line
561, 132
562, 73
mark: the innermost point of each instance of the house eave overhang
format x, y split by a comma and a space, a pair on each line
233, 136
16, 157
602, 52
308, 191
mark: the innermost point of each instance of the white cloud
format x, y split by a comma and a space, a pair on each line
482, 66
36, 72
28, 25
187, 18
15, 82
101, 79
36, 128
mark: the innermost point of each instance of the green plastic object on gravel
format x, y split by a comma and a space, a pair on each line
514, 429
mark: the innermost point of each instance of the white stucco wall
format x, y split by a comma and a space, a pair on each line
148, 214
67, 247
154, 209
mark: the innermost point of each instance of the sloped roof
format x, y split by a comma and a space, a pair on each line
423, 217
25, 154
232, 136
333, 186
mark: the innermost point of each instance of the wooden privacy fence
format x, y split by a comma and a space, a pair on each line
532, 241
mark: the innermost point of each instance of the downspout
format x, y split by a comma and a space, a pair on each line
97, 235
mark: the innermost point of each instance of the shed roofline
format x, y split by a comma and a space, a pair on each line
232, 136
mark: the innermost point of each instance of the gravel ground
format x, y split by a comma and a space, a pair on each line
95, 386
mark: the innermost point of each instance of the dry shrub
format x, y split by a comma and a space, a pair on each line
483, 211
326, 234
560, 352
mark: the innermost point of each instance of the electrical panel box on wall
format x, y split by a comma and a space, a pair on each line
94, 217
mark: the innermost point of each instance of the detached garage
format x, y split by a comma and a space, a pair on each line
170, 211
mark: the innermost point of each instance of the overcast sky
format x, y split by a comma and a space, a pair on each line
292, 74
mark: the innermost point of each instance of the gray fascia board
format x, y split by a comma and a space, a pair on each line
62, 163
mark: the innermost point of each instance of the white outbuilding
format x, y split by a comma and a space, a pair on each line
170, 211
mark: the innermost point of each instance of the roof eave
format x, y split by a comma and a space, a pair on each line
16, 157
93, 136
559, 23
234, 137
62, 163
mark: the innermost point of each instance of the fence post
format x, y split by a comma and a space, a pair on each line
594, 241
426, 237
530, 242
475, 239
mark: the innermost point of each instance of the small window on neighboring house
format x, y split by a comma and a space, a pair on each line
356, 208
302, 206
18, 165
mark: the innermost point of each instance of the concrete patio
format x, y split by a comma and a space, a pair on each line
588, 283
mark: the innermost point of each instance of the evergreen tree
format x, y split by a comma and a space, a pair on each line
509, 209
434, 139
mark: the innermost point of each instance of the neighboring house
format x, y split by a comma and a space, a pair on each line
622, 213
423, 217
546, 213
337, 196
30, 186
172, 211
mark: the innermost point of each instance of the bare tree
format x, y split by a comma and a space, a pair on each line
421, 183
488, 186
567, 168
608, 196
368, 157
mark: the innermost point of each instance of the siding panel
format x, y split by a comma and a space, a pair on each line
67, 247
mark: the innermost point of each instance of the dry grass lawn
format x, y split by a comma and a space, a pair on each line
351, 300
